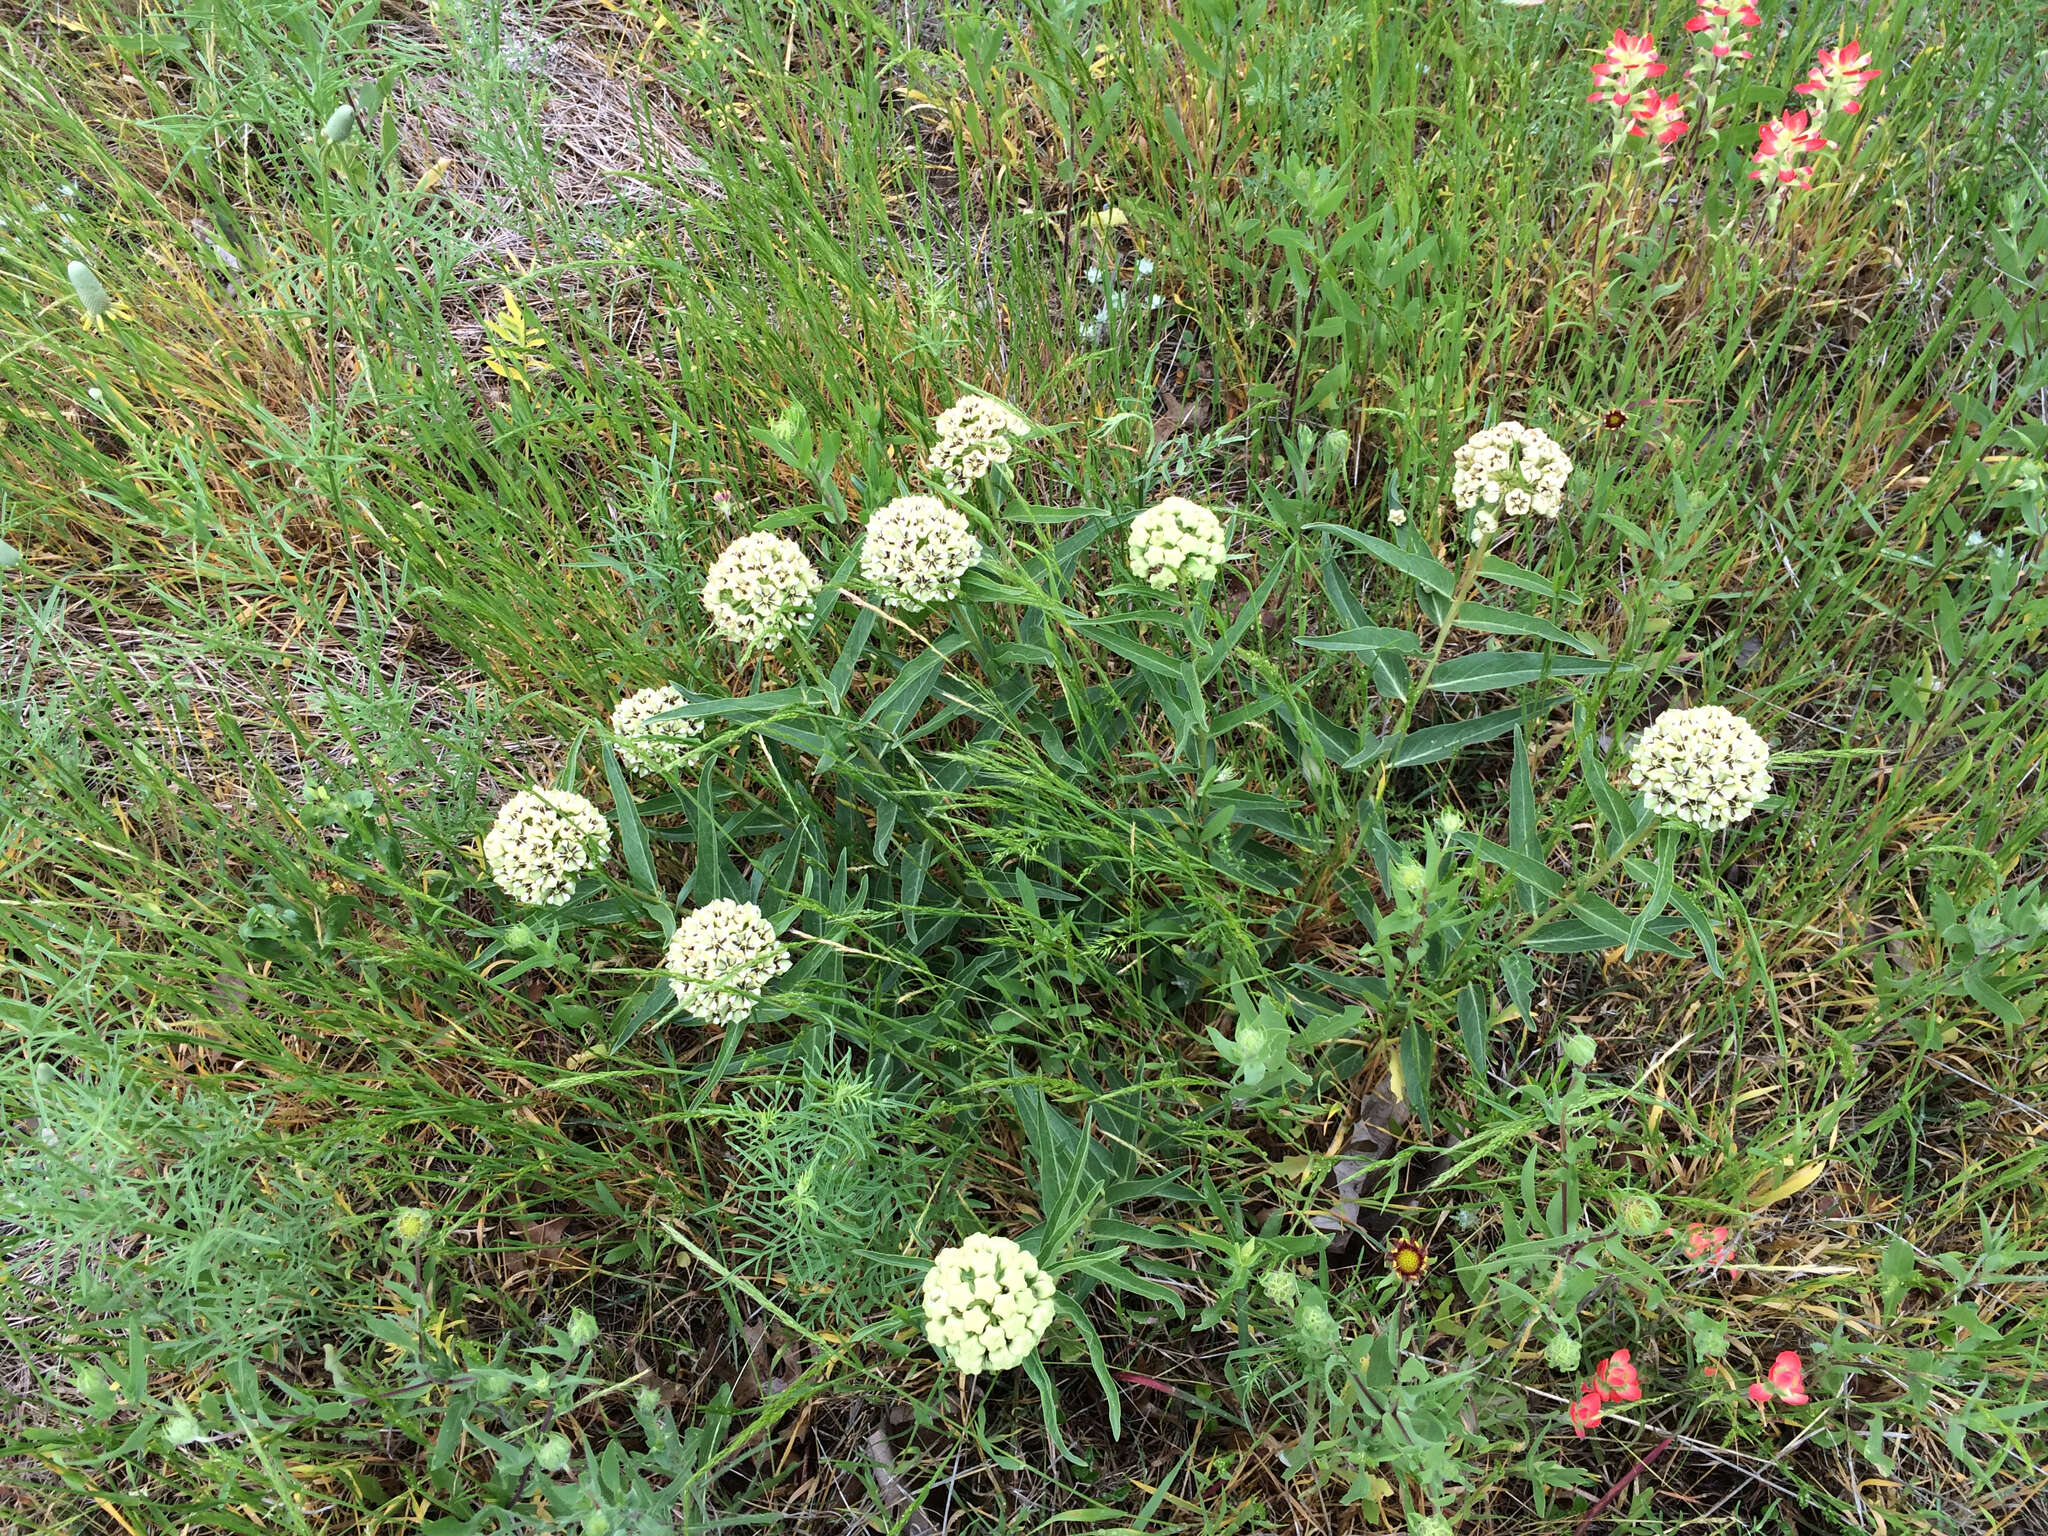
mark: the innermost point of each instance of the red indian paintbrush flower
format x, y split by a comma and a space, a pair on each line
1615, 1380
1718, 22
1627, 63
1838, 78
1585, 1413
1786, 1382
1781, 142
1658, 117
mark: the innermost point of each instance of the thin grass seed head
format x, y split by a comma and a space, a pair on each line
1706, 766
721, 959
1177, 540
986, 1304
760, 590
975, 434
542, 840
646, 744
916, 550
1508, 470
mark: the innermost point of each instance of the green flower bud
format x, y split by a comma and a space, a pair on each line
1411, 877
552, 1454
341, 124
1638, 1216
492, 1384
1431, 1525
1317, 1332
10, 557
182, 1429
93, 297
1580, 1049
1562, 1353
411, 1227
596, 1523
582, 1329
1710, 1338
1450, 823
1282, 1287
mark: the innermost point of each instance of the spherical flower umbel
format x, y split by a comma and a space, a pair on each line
916, 550
760, 589
722, 957
1176, 540
986, 1304
542, 840
1511, 469
1706, 766
645, 743
975, 434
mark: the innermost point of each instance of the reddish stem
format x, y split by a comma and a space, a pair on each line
1627, 1477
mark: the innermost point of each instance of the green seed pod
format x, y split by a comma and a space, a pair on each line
1282, 1287
341, 124
552, 1454
411, 1227
92, 293
182, 1429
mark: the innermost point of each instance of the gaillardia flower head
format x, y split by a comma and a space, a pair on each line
542, 840
1706, 766
1408, 1260
1508, 469
916, 550
975, 434
722, 958
986, 1304
760, 589
645, 743
1176, 540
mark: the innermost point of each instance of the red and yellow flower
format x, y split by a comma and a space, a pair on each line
1838, 77
1718, 22
1785, 1383
1780, 143
1658, 117
1622, 69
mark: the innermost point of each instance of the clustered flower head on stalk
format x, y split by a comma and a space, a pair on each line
645, 743
1177, 540
917, 549
722, 958
1706, 766
975, 434
759, 590
1714, 27
542, 840
986, 1304
1837, 78
1508, 469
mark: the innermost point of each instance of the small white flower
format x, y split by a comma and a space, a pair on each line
1093, 274
916, 550
1516, 469
722, 956
646, 744
975, 434
1154, 302
986, 1304
1707, 766
1144, 266
542, 840
1396, 516
760, 589
1176, 539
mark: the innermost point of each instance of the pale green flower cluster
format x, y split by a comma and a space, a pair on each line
917, 549
646, 743
760, 589
975, 434
1707, 766
986, 1304
1508, 470
542, 840
1176, 540
722, 957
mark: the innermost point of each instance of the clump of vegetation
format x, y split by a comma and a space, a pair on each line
1184, 766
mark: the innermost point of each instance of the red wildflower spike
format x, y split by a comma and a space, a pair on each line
1788, 1379
1585, 1413
1838, 77
1615, 1379
1659, 117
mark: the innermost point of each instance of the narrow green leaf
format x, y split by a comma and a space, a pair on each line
1367, 638
899, 703
850, 654
1432, 574
1473, 1009
1434, 743
633, 839
1497, 569
1519, 977
1614, 808
1532, 873
1522, 817
1138, 654
1508, 669
1572, 937
1489, 620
